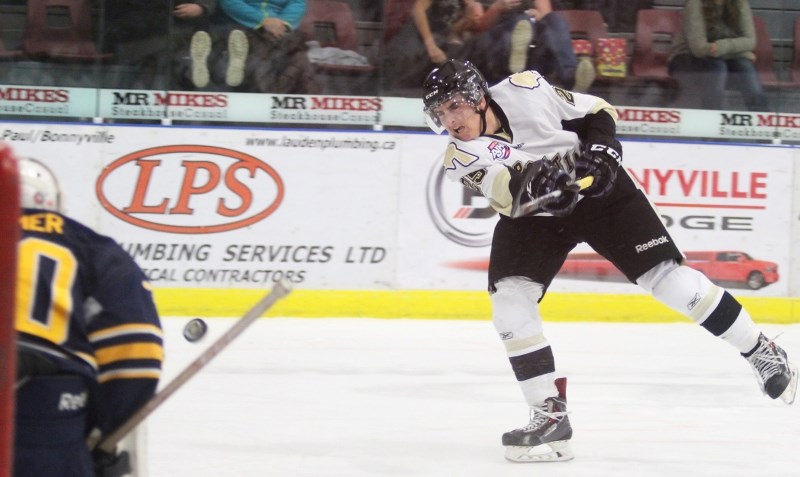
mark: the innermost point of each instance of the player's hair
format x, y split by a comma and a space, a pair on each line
38, 186
452, 78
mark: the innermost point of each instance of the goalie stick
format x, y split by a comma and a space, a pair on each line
529, 208
109, 442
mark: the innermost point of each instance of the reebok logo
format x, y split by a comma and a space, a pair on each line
652, 243
71, 402
694, 301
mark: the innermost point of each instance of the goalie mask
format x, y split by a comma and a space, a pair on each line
38, 186
455, 78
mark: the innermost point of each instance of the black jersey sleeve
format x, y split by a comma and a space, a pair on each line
594, 128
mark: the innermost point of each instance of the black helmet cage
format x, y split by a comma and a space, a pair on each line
443, 83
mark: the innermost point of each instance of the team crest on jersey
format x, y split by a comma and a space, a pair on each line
474, 180
499, 151
525, 79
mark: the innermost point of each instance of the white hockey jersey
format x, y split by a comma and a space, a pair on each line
534, 110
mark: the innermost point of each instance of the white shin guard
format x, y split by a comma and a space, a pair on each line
692, 294
515, 315
683, 289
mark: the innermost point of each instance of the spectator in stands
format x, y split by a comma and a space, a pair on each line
437, 30
499, 36
273, 58
191, 18
713, 50
527, 35
136, 32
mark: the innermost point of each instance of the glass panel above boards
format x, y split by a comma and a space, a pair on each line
362, 63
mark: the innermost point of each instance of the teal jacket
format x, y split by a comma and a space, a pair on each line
251, 13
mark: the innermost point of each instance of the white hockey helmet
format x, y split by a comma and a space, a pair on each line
38, 186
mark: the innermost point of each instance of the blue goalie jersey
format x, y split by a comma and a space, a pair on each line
83, 303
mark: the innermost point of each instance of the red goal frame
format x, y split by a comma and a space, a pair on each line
9, 235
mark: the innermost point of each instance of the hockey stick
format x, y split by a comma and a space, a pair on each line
528, 208
281, 289
21, 382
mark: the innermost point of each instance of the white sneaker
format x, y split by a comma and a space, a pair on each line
584, 75
199, 49
521, 37
237, 57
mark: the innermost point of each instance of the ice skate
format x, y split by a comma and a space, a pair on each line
546, 437
777, 377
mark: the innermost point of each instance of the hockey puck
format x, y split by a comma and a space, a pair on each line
195, 330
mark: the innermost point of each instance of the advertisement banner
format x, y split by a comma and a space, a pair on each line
238, 107
243, 208
224, 107
48, 101
232, 208
728, 207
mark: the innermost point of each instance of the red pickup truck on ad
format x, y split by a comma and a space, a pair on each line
727, 268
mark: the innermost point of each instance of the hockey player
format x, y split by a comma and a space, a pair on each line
89, 338
522, 144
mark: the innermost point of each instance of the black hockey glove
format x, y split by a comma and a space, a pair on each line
601, 162
547, 179
111, 464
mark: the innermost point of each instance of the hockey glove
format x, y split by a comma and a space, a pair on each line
601, 162
111, 464
543, 178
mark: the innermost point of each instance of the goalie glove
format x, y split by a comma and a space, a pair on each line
601, 162
548, 187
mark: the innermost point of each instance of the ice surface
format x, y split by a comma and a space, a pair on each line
392, 397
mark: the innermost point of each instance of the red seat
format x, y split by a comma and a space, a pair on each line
396, 13
331, 22
765, 57
655, 29
794, 72
795, 69
585, 24
71, 41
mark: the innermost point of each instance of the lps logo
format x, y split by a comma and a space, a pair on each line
190, 189
459, 213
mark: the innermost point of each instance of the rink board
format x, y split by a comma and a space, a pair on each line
404, 304
364, 223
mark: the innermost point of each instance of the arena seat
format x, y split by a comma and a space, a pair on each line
61, 30
654, 27
332, 24
6, 54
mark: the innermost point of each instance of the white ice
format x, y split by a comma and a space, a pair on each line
369, 397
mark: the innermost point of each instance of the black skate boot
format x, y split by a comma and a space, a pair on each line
777, 377
546, 437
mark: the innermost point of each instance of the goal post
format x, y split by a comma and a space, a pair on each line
9, 234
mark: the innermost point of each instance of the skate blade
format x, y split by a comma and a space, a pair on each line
791, 390
555, 451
